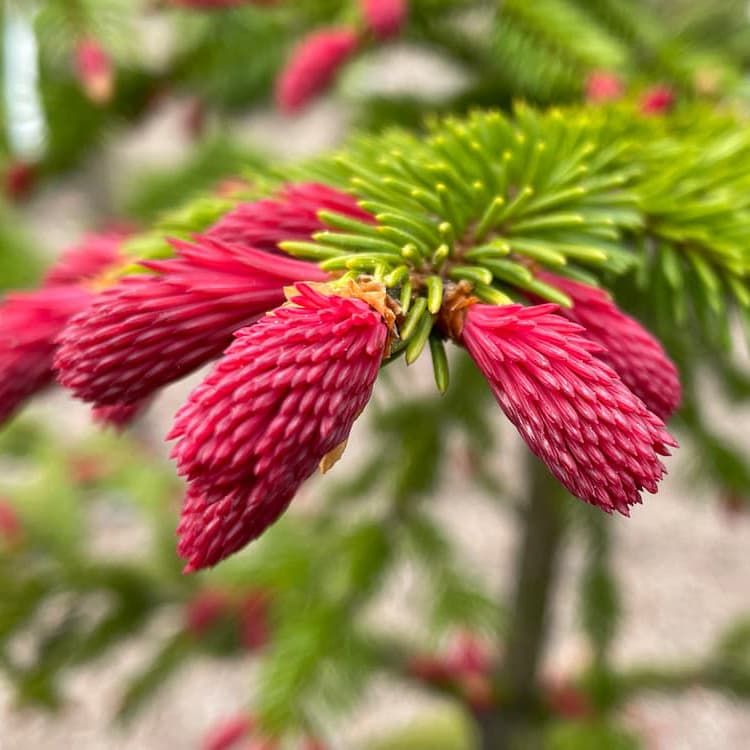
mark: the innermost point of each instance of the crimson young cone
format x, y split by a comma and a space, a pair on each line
29, 327
284, 396
31, 322
149, 330
570, 407
313, 66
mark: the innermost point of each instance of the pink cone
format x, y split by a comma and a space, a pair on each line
148, 331
565, 699
229, 733
467, 654
603, 86
11, 529
19, 180
30, 323
254, 620
385, 18
657, 100
285, 395
205, 610
313, 66
430, 669
629, 349
94, 254
571, 408
293, 216
94, 70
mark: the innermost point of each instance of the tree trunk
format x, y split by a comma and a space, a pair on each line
514, 726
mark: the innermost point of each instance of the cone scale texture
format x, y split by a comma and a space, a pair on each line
264, 224
629, 349
30, 323
148, 331
574, 412
285, 394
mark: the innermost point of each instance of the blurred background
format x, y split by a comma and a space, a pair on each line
136, 116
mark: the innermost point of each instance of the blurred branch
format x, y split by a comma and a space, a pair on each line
535, 581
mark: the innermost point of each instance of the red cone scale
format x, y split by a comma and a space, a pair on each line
629, 349
313, 196
571, 408
283, 397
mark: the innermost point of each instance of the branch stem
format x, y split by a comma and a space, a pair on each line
512, 726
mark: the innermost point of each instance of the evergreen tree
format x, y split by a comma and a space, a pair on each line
566, 237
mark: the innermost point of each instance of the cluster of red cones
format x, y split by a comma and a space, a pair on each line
588, 388
468, 668
603, 86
